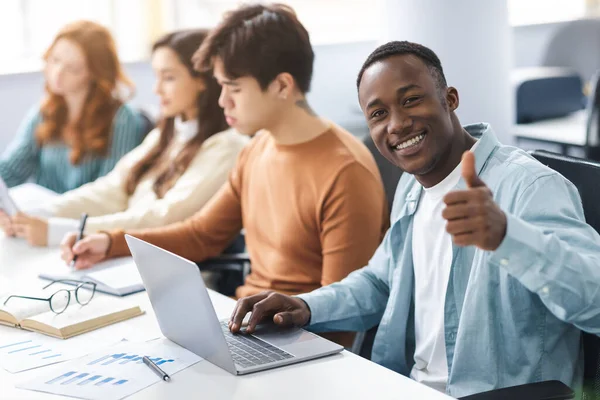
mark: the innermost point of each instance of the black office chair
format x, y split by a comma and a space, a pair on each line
585, 175
592, 143
233, 265
148, 122
390, 174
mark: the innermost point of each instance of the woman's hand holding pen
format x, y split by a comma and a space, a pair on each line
89, 250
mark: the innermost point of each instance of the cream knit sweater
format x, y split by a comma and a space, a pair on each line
110, 207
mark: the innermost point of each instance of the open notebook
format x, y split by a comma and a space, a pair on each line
118, 276
36, 316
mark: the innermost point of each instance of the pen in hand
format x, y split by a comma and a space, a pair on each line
82, 222
163, 375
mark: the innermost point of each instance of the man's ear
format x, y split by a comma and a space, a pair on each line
283, 85
452, 99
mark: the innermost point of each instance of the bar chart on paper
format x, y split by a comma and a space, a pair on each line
30, 351
22, 350
114, 373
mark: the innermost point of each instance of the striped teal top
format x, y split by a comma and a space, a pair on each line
49, 166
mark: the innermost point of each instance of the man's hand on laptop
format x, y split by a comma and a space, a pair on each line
285, 311
89, 250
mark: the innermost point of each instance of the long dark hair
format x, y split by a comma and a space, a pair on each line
211, 119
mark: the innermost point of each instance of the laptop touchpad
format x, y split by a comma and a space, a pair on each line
282, 337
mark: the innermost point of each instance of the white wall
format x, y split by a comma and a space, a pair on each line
473, 41
530, 42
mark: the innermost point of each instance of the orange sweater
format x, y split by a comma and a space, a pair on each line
312, 212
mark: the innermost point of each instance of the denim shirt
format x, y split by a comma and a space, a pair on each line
511, 316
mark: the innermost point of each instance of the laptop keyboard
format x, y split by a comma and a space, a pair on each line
250, 351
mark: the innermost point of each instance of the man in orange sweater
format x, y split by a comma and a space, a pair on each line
307, 193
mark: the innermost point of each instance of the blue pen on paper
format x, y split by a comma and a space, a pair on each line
163, 375
82, 222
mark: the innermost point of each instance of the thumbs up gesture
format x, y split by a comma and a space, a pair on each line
474, 219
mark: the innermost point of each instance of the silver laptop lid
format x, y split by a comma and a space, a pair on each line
172, 282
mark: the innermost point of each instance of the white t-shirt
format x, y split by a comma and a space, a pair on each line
432, 259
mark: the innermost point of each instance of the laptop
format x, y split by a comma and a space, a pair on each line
186, 316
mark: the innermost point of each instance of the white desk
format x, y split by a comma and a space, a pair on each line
566, 132
342, 376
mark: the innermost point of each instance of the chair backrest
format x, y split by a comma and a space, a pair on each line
592, 149
585, 175
390, 174
147, 121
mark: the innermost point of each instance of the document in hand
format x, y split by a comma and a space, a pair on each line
118, 276
7, 204
36, 316
29, 197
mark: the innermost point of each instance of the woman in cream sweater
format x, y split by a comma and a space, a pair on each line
171, 175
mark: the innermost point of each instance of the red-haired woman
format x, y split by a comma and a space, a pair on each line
82, 127
176, 170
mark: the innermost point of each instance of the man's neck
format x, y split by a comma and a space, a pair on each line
462, 142
298, 124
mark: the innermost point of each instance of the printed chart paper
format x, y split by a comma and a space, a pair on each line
113, 373
21, 350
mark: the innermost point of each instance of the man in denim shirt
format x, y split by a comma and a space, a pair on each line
495, 290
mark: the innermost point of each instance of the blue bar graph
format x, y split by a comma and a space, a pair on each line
90, 379
14, 344
52, 356
39, 352
127, 359
84, 378
75, 378
115, 357
28, 348
98, 360
103, 381
58, 378
25, 348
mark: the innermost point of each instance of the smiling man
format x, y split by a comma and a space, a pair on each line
308, 193
488, 273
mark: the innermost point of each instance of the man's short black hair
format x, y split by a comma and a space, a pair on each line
398, 48
261, 41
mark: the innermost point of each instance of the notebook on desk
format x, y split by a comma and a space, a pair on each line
119, 276
75, 320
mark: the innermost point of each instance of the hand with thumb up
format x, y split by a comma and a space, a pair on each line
474, 218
